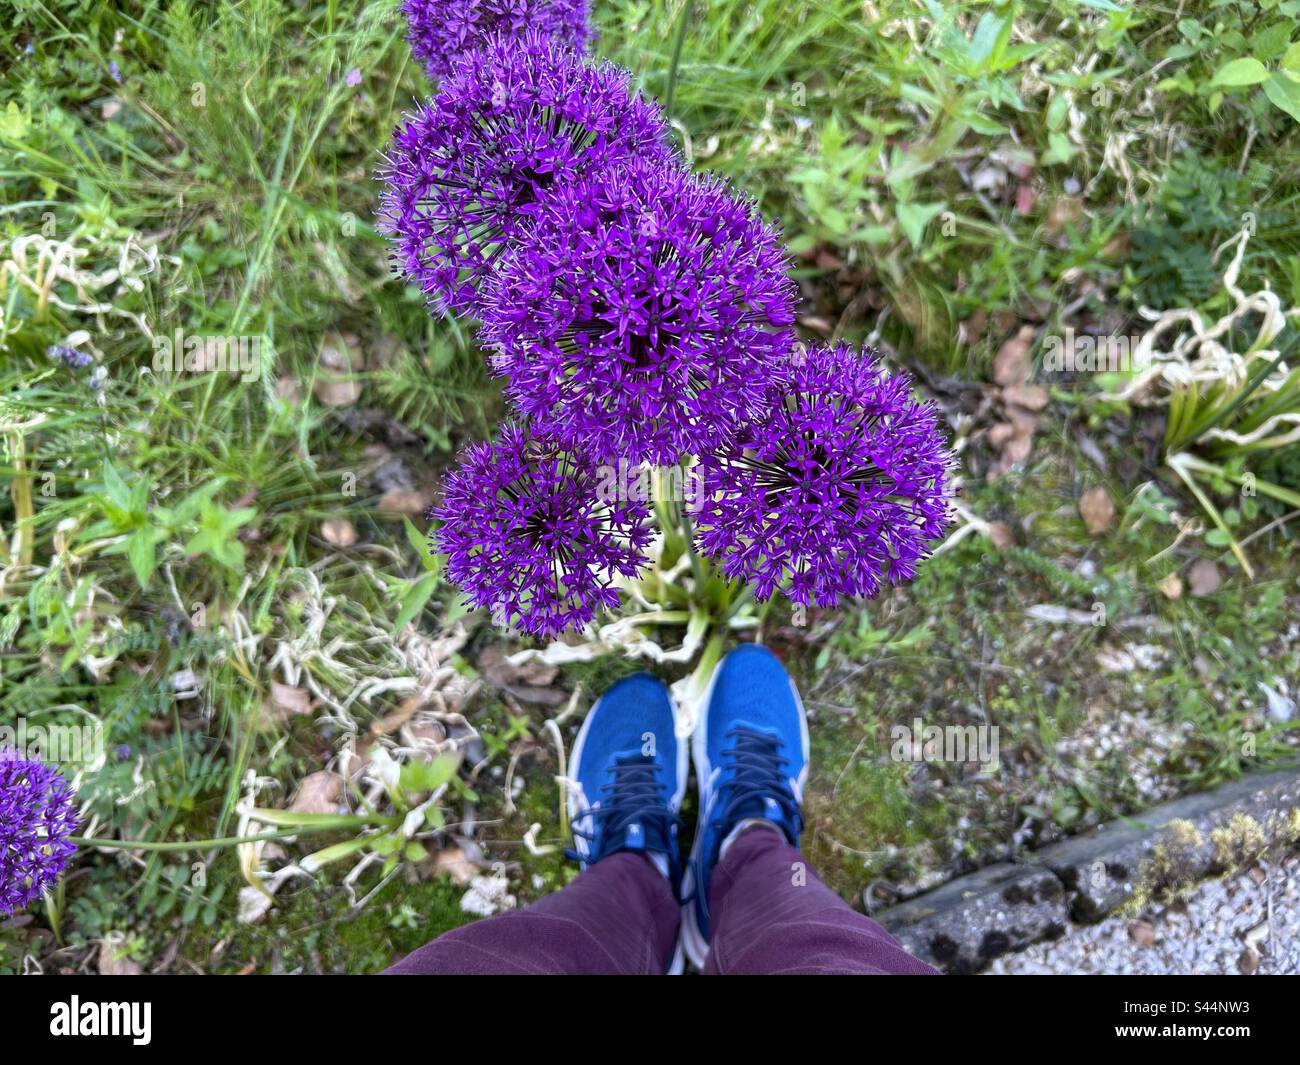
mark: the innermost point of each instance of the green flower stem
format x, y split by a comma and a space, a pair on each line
679, 38
709, 659
1186, 461
307, 829
661, 617
742, 599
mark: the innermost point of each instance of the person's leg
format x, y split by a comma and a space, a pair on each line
617, 917
627, 778
753, 904
771, 914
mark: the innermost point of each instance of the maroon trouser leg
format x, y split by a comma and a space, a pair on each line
618, 916
770, 915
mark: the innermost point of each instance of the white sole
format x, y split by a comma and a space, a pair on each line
692, 938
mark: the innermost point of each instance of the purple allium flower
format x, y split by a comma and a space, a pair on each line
441, 30
531, 535
465, 173
38, 812
69, 356
837, 490
353, 77
646, 312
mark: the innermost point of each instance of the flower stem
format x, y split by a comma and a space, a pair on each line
205, 844
683, 20
692, 693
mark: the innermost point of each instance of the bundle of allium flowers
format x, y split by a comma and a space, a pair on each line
648, 311
441, 31
38, 812
529, 537
836, 489
466, 174
643, 316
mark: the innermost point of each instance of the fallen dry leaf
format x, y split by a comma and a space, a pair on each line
340, 357
1013, 438
338, 531
971, 330
397, 502
1031, 397
1097, 510
453, 863
394, 720
288, 701
529, 683
1018, 448
1012, 366
286, 388
497, 667
1064, 212
1001, 535
319, 793
1203, 577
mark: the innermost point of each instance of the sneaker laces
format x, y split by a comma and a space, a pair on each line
632, 797
758, 775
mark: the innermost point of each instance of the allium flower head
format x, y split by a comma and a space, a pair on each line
441, 30
466, 173
647, 311
531, 535
38, 813
837, 490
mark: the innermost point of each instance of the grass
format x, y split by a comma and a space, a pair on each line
943, 176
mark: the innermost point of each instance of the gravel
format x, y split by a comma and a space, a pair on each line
1246, 923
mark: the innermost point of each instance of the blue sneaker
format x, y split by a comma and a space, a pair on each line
628, 771
751, 761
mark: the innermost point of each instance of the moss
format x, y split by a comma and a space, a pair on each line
1238, 843
313, 930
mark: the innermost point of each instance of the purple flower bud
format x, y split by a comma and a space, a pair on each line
69, 356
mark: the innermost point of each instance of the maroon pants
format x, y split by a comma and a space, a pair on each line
770, 914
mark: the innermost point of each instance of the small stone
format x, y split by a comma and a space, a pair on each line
1142, 933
